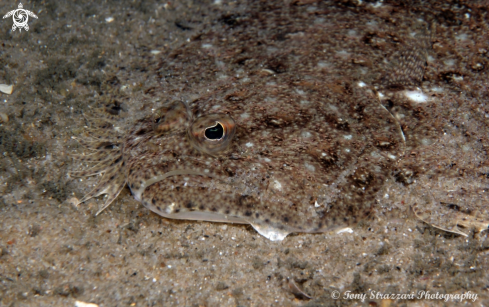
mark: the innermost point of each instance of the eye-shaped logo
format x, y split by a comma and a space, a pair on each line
20, 18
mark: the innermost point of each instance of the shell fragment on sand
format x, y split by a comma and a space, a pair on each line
7, 89
83, 304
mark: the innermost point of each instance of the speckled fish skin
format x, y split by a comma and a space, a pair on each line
292, 166
289, 167
310, 152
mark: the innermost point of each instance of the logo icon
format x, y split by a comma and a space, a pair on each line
20, 18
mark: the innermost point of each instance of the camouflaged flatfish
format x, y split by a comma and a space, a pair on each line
277, 133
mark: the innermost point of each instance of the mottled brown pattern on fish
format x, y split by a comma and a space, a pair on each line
310, 150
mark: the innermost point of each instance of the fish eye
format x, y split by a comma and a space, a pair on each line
171, 116
212, 133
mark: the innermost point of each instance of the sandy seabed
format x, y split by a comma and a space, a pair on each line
54, 252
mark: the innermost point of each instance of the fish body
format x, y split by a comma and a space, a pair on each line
281, 165
278, 133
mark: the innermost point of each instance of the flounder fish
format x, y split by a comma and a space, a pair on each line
282, 167
279, 131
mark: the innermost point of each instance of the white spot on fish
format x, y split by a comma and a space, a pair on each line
416, 96
458, 78
332, 107
310, 167
375, 154
449, 62
169, 209
348, 230
272, 49
437, 89
361, 84
461, 37
277, 185
323, 64
319, 20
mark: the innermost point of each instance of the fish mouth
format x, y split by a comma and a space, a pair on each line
137, 193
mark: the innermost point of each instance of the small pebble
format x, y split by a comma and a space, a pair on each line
3, 118
7, 89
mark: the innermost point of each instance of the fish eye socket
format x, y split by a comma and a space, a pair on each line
212, 133
171, 116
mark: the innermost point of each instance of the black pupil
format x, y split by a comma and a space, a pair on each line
214, 133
